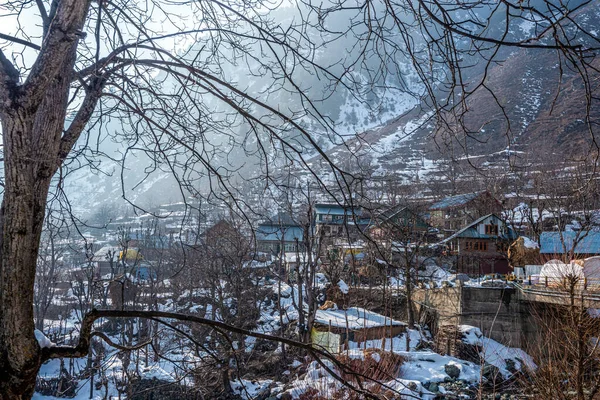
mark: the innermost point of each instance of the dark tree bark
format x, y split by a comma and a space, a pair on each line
33, 116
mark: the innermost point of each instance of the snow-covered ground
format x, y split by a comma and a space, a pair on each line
418, 370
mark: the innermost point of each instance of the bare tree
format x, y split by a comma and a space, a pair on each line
97, 60
568, 366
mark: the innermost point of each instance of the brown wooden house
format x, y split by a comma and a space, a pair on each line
481, 246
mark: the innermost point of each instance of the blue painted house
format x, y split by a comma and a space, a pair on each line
272, 238
338, 226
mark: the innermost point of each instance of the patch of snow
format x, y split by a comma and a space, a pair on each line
156, 372
495, 353
530, 244
43, 340
343, 286
594, 312
250, 389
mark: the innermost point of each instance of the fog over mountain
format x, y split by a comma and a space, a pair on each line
380, 97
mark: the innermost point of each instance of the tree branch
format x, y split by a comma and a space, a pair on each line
63, 35
85, 112
44, 15
118, 346
17, 40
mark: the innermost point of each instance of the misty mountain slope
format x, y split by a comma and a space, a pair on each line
397, 132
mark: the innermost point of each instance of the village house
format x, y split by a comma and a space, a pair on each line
481, 246
339, 225
223, 242
116, 260
451, 213
281, 235
395, 227
399, 222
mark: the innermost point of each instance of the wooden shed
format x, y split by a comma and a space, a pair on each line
333, 327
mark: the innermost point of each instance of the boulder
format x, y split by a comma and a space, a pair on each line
433, 387
452, 370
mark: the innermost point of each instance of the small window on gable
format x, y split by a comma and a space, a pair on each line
491, 230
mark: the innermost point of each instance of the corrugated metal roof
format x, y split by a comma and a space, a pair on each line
588, 242
281, 219
455, 201
276, 233
354, 318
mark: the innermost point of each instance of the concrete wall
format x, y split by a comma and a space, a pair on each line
444, 302
497, 312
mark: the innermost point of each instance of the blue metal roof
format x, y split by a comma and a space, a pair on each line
588, 242
455, 201
277, 232
334, 209
281, 219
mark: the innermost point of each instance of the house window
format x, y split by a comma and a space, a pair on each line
477, 245
491, 230
289, 247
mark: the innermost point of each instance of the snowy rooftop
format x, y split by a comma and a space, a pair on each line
106, 253
455, 201
358, 318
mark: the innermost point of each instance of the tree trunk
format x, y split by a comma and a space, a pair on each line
21, 221
31, 138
